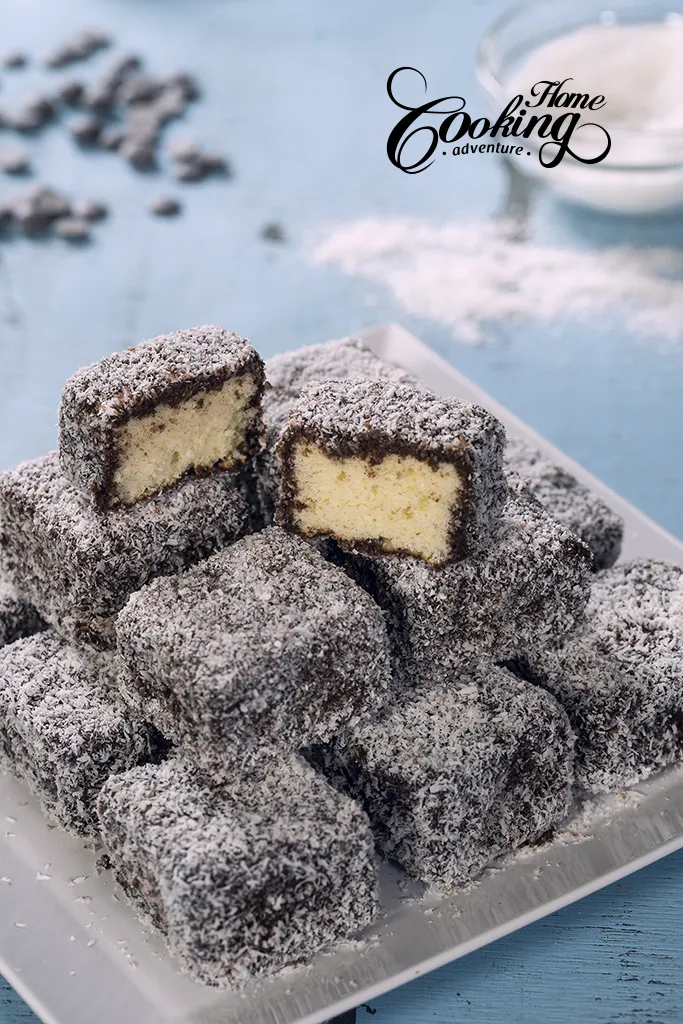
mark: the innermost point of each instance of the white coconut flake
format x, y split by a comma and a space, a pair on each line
466, 276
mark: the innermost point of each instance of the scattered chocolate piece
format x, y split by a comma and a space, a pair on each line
71, 93
89, 209
140, 154
35, 209
34, 113
79, 47
165, 206
101, 96
186, 85
14, 59
192, 164
15, 161
183, 149
86, 130
110, 138
273, 233
139, 88
189, 170
74, 229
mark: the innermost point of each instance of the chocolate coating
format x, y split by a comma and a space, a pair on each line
578, 508
18, 618
64, 728
242, 879
78, 567
451, 776
370, 419
620, 678
529, 589
287, 374
265, 642
167, 370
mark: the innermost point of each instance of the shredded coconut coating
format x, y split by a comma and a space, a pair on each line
265, 642
453, 775
620, 678
78, 567
244, 878
529, 589
287, 374
64, 728
374, 418
583, 512
166, 370
18, 618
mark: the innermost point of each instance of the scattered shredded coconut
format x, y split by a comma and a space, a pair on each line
467, 276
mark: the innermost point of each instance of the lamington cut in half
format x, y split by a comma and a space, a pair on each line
265, 643
78, 567
529, 589
242, 878
288, 373
18, 618
137, 421
581, 510
620, 678
64, 728
384, 467
453, 775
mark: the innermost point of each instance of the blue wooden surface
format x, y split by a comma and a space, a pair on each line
294, 95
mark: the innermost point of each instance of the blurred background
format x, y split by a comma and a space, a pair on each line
293, 96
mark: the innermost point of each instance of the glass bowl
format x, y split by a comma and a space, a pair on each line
643, 172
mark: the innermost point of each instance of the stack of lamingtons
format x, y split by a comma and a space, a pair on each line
259, 621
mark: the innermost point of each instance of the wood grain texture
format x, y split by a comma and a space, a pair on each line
294, 96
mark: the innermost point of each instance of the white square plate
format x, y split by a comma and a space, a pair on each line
75, 952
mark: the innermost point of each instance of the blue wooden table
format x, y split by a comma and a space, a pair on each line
294, 96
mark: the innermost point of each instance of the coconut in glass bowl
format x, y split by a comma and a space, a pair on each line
563, 58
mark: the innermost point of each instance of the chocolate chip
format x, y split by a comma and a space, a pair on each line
86, 129
71, 92
273, 233
165, 206
74, 229
14, 161
79, 47
14, 59
89, 209
110, 138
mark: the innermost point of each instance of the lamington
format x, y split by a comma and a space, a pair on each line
287, 374
242, 878
263, 643
529, 589
78, 567
384, 467
581, 510
620, 678
18, 618
139, 420
453, 775
64, 729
